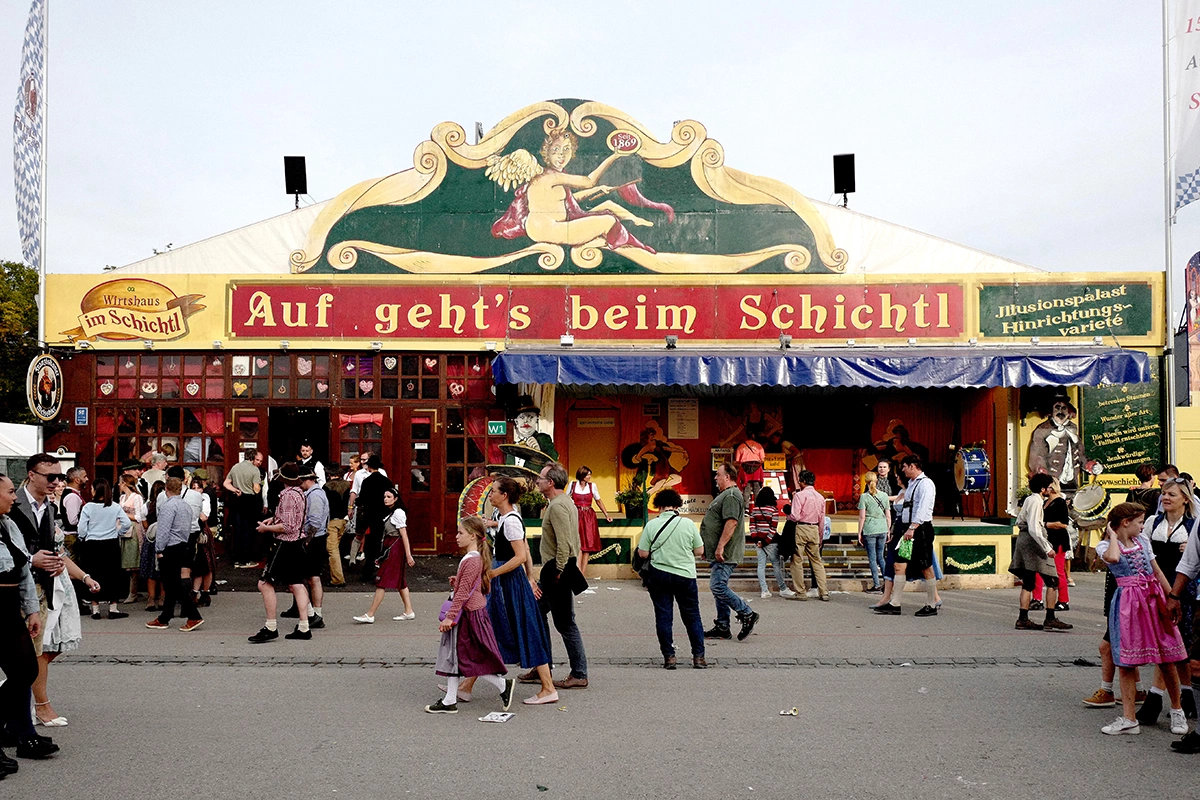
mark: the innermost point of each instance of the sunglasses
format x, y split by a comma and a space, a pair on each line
1170, 481
52, 476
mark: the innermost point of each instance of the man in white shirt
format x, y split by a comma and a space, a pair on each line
309, 462
917, 515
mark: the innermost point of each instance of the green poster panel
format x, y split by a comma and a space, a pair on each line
969, 559
1122, 424
1059, 311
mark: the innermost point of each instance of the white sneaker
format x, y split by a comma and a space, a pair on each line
413, 615
786, 592
765, 595
589, 591
1179, 724
1121, 725
365, 618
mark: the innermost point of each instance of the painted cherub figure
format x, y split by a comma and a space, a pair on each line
546, 207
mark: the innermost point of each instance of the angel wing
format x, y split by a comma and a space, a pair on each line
513, 169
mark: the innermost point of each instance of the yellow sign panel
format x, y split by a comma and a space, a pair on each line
775, 462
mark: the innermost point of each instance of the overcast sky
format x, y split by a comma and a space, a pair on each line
1031, 130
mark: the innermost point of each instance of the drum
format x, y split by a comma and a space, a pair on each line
972, 470
1089, 508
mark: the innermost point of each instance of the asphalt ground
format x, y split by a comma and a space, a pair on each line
959, 705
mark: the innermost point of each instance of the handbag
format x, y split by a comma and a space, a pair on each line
642, 565
904, 549
572, 578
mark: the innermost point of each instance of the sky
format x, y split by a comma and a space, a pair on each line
1030, 130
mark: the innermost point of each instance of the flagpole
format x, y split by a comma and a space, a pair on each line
41, 334
1168, 377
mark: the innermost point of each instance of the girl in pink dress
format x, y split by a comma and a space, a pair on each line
583, 491
468, 646
1139, 629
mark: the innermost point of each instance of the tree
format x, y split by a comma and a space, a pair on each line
18, 338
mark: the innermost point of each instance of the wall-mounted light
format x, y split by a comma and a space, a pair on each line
849, 343
1097, 340
285, 344
218, 344
84, 345
149, 345
911, 342
489, 346
376, 346
566, 340
1034, 340
972, 341
672, 342
785, 341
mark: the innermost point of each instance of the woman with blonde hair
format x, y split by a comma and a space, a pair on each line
874, 522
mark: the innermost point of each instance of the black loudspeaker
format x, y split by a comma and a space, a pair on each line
506, 398
1183, 372
294, 175
843, 174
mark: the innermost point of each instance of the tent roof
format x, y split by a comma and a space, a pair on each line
875, 247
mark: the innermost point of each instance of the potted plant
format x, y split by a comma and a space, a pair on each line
632, 498
532, 502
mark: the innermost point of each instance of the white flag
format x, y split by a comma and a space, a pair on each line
27, 136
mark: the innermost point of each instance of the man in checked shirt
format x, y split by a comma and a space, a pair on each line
287, 565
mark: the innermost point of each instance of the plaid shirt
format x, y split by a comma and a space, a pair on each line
290, 514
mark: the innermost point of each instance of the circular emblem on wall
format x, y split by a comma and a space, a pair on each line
44, 387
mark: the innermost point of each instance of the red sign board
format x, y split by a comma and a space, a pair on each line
596, 314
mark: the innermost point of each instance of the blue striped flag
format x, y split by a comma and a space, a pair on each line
28, 119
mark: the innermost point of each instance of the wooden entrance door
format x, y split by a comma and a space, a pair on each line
420, 464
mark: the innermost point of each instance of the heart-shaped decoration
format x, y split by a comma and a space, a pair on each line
261, 363
129, 363
304, 365
390, 362
366, 386
149, 387
322, 387
239, 388
410, 386
456, 389
192, 388
106, 388
431, 364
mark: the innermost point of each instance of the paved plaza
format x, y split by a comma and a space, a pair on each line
960, 705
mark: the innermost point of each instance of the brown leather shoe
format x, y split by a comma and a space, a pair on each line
669, 662
571, 682
529, 677
698, 662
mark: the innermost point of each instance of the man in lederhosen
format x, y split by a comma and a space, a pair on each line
916, 524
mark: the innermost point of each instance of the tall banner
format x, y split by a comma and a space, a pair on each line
27, 136
1191, 289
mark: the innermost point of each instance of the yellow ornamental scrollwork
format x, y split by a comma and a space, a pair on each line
587, 233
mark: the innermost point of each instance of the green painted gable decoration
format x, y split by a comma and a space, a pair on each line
570, 186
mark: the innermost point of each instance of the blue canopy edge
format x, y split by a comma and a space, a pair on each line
951, 367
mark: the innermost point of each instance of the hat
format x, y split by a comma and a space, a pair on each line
289, 473
131, 465
307, 474
200, 473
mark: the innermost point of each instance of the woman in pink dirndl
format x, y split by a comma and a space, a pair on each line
583, 491
1138, 627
